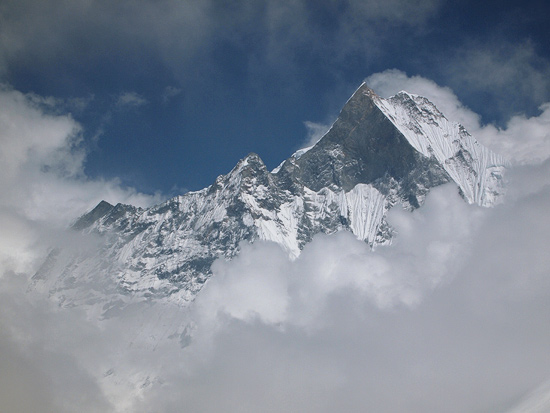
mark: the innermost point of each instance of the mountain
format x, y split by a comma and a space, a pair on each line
378, 154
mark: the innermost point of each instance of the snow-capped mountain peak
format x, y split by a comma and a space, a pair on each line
475, 169
379, 153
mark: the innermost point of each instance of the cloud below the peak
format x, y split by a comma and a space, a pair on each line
430, 240
454, 306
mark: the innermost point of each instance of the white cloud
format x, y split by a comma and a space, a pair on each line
43, 184
130, 100
31, 138
418, 327
455, 305
50, 359
452, 307
430, 242
315, 131
525, 140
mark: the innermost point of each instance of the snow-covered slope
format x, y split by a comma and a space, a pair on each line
475, 169
378, 154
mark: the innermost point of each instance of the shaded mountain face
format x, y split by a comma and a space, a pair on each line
379, 153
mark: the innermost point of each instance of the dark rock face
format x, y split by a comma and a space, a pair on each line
102, 209
363, 146
362, 167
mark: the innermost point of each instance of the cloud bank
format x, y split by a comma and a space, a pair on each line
432, 325
420, 327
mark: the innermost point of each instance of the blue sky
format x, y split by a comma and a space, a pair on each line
170, 94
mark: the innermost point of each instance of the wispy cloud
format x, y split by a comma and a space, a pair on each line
508, 76
315, 131
130, 100
169, 93
182, 35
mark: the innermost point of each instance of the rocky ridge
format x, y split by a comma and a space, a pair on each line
379, 153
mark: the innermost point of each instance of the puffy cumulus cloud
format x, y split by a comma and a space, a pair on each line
43, 163
43, 183
523, 140
29, 137
44, 188
455, 305
246, 288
